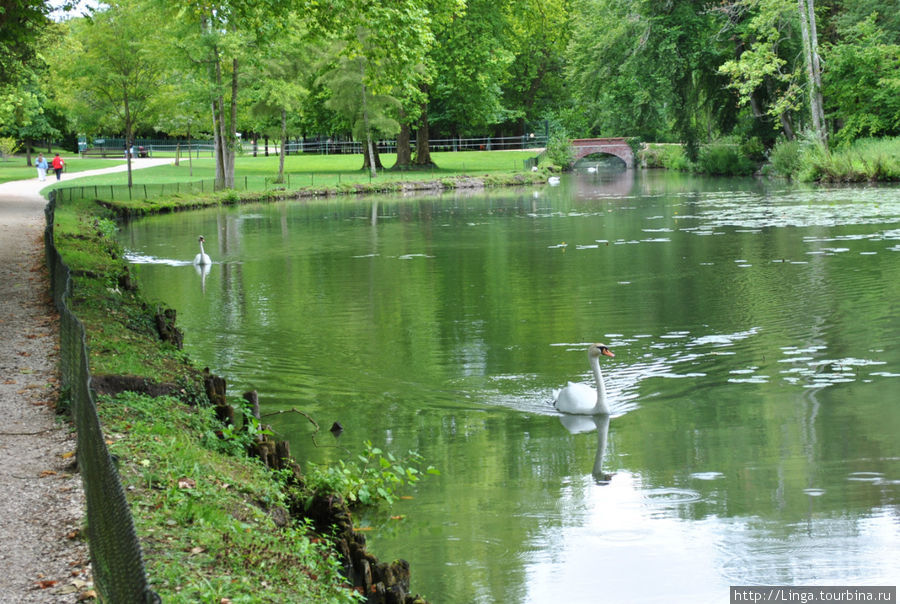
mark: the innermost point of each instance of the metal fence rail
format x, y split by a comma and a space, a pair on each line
116, 559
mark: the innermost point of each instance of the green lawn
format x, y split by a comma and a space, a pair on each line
312, 170
15, 168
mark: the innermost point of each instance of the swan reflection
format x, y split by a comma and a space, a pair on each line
203, 271
581, 424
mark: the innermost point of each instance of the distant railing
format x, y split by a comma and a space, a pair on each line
486, 143
323, 146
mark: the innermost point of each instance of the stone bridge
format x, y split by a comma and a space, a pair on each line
610, 146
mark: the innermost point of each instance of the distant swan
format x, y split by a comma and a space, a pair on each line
581, 399
202, 258
553, 180
592, 169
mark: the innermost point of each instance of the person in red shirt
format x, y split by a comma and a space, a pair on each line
58, 165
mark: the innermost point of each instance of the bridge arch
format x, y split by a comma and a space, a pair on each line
617, 146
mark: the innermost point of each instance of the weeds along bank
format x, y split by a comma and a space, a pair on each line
214, 524
803, 159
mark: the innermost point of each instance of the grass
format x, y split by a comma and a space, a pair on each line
315, 170
865, 160
206, 518
15, 168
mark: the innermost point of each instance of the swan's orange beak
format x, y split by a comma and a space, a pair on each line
606, 351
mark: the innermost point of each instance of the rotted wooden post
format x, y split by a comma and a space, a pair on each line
215, 391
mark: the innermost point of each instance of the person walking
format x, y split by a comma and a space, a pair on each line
58, 165
42, 167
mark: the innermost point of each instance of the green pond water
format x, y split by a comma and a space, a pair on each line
754, 391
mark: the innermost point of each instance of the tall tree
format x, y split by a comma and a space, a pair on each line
22, 23
765, 73
862, 77
647, 68
806, 9
112, 81
386, 43
215, 38
279, 89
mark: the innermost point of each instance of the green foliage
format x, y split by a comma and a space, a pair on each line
724, 158
864, 161
784, 158
668, 156
559, 150
862, 83
8, 146
374, 476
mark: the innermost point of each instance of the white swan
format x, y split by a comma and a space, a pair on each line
202, 258
581, 399
592, 169
553, 180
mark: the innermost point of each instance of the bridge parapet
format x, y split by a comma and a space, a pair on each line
617, 146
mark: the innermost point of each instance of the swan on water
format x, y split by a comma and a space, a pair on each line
202, 258
581, 399
592, 169
553, 180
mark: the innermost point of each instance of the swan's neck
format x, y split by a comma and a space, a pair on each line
601, 406
201, 248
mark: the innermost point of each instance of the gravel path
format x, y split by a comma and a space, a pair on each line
43, 557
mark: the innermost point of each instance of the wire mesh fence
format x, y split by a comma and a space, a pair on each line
116, 558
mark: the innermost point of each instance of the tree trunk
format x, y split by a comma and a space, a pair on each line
369, 149
423, 153
283, 145
128, 136
810, 51
404, 152
28, 151
367, 161
817, 69
190, 158
218, 109
230, 148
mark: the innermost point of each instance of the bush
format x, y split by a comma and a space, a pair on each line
784, 158
559, 151
668, 156
8, 146
375, 477
724, 158
864, 160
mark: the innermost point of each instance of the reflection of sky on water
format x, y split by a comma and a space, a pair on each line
625, 542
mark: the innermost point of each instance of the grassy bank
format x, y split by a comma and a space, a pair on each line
865, 160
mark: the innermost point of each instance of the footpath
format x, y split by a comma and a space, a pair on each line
43, 555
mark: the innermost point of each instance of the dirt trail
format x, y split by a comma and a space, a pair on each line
43, 557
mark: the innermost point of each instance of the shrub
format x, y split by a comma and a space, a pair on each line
376, 476
724, 158
559, 150
8, 146
662, 155
784, 158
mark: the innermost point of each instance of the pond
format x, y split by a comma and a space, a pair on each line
753, 435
